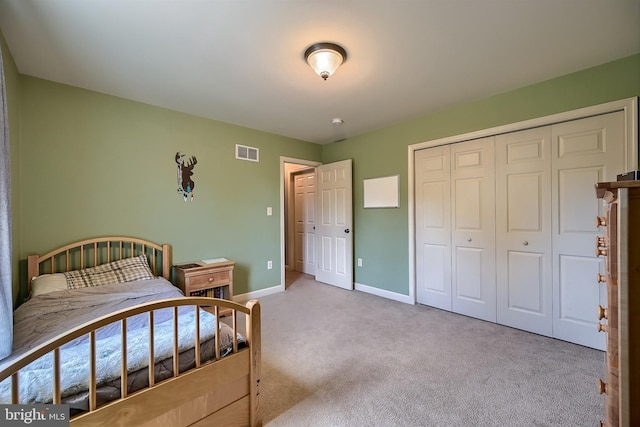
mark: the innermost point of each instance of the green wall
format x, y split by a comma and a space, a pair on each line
94, 165
381, 235
89, 164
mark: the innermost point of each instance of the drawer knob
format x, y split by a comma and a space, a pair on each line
601, 246
602, 327
602, 278
601, 252
210, 279
602, 387
602, 312
601, 221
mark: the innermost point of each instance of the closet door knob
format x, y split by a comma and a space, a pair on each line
468, 239
525, 243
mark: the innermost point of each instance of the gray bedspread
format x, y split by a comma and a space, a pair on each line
46, 316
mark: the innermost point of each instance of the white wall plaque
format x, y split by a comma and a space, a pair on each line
383, 192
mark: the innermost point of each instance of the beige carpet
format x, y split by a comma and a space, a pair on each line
345, 358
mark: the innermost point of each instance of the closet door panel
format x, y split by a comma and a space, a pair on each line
469, 282
526, 283
523, 235
574, 304
585, 151
524, 203
473, 280
436, 280
433, 227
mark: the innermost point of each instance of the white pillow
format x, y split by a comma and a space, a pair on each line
48, 283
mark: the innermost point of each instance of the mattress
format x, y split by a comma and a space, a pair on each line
49, 315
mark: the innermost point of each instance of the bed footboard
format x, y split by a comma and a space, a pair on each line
223, 388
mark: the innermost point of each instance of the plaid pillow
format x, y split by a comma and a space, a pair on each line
121, 271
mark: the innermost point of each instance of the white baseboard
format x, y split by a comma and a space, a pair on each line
384, 294
243, 298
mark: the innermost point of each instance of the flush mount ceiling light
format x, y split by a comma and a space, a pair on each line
325, 58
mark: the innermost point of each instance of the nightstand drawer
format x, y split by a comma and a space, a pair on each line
211, 280
208, 279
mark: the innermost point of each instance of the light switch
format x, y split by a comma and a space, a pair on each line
269, 211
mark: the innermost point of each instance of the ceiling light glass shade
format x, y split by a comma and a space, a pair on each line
325, 58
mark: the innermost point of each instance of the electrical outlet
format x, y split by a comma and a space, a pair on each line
359, 262
269, 265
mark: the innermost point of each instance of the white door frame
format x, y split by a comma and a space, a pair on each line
629, 106
283, 200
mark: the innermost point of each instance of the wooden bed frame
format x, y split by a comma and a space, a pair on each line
221, 392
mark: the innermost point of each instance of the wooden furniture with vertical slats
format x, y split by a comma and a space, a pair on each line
220, 391
620, 320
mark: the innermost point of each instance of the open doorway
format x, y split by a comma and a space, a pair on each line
292, 241
300, 216
332, 246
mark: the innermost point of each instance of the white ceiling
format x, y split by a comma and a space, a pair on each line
241, 61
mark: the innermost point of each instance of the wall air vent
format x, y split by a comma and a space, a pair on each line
247, 153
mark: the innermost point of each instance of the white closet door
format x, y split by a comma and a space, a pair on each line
585, 152
473, 281
433, 227
523, 235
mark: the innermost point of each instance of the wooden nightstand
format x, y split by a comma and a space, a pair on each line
198, 279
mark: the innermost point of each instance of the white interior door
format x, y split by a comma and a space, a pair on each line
334, 225
305, 222
523, 235
585, 151
473, 281
433, 226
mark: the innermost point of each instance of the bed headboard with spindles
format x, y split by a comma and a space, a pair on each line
97, 251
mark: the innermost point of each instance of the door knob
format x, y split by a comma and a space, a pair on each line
468, 239
347, 231
525, 243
